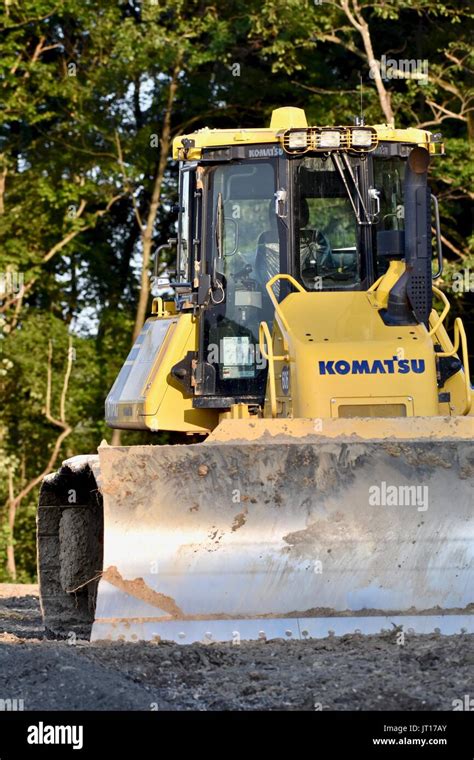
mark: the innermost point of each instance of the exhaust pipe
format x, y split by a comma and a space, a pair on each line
409, 301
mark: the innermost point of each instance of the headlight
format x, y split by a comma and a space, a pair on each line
361, 138
329, 139
297, 139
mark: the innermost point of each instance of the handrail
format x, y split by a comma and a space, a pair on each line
447, 307
460, 335
273, 299
375, 284
465, 361
265, 335
157, 307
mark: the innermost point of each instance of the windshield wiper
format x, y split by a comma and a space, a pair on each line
336, 159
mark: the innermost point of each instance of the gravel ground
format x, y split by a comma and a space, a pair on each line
347, 673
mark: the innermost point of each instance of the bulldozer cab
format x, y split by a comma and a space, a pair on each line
337, 217
332, 219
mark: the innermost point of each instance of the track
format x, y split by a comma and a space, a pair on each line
347, 673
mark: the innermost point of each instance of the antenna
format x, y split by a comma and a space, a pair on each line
359, 120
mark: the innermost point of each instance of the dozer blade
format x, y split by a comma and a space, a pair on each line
269, 529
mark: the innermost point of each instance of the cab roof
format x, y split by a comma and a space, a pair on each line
190, 146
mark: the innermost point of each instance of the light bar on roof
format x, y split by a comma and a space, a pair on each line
298, 139
361, 138
356, 139
329, 138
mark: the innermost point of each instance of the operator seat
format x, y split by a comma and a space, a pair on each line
315, 253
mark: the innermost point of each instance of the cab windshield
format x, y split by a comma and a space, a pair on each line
328, 243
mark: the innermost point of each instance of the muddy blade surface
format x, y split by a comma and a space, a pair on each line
285, 537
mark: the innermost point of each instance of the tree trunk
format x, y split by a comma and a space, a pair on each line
354, 15
147, 235
385, 96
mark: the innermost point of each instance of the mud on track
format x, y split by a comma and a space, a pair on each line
348, 673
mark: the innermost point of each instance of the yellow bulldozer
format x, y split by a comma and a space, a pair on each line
320, 477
